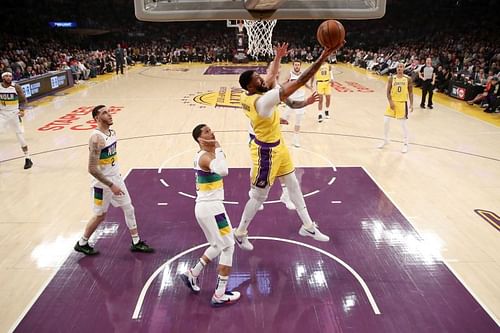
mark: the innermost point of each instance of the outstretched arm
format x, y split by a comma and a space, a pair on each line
301, 104
290, 87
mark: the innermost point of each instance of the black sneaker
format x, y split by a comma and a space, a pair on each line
327, 114
422, 106
430, 107
27, 163
320, 118
141, 247
85, 249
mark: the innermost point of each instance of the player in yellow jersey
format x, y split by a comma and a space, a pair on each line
107, 186
399, 91
322, 82
270, 156
210, 166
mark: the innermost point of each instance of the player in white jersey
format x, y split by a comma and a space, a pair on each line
12, 100
210, 166
299, 96
107, 186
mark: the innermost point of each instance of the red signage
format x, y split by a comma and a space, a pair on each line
71, 119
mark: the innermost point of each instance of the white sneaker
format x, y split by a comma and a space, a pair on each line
190, 281
296, 142
228, 298
383, 144
327, 114
314, 233
405, 148
320, 118
288, 203
261, 207
243, 241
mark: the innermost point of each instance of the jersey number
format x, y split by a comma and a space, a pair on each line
399, 89
112, 161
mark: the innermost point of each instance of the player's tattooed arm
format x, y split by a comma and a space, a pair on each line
96, 143
313, 98
22, 99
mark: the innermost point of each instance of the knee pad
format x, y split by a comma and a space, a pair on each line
259, 194
129, 212
212, 252
226, 256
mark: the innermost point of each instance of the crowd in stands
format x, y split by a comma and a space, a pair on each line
460, 36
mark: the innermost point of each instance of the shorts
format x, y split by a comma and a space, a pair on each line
400, 111
214, 221
102, 196
269, 160
324, 88
11, 119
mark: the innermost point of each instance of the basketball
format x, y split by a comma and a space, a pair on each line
331, 34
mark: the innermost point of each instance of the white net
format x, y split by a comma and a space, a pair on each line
260, 34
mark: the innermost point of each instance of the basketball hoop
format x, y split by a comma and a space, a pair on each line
260, 34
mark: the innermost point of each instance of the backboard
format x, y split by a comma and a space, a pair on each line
213, 10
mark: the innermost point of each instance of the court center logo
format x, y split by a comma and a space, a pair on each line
225, 97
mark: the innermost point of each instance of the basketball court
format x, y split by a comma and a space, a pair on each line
414, 237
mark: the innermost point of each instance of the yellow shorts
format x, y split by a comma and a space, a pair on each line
268, 162
400, 110
324, 88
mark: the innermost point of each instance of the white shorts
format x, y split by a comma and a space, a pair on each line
11, 119
102, 196
214, 221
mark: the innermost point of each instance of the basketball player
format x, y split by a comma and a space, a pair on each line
299, 95
323, 81
210, 166
399, 90
270, 156
108, 186
12, 101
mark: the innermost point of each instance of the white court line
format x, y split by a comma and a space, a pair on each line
187, 195
310, 193
330, 163
336, 202
142, 295
162, 203
485, 308
164, 182
42, 288
231, 202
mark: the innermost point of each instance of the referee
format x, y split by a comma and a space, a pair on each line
428, 76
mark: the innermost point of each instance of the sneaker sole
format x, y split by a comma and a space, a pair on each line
84, 252
220, 305
185, 279
306, 234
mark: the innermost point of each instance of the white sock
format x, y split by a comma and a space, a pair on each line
221, 285
404, 125
386, 128
196, 270
135, 239
83, 241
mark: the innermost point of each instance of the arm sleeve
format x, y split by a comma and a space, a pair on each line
219, 163
265, 104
